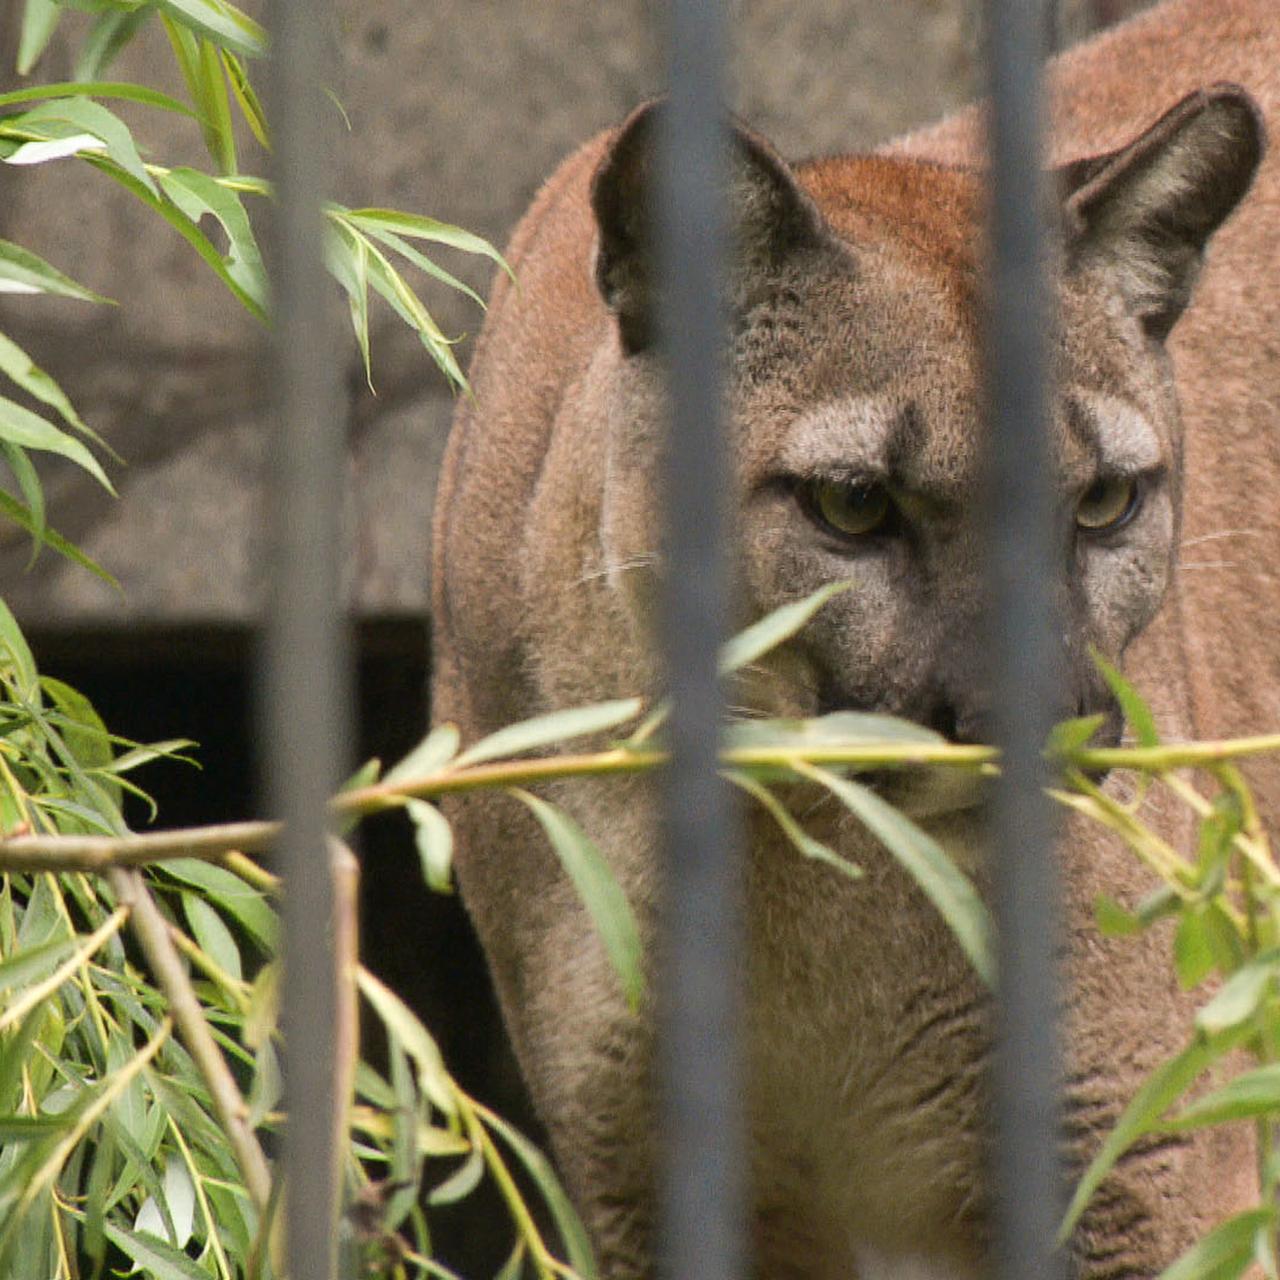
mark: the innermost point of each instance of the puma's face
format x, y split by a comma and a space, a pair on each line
863, 457
856, 407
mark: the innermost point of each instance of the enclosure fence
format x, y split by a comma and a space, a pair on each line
702, 1236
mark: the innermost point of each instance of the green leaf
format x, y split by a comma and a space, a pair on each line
1136, 711
1113, 920
211, 932
110, 33
64, 120
1162, 1088
795, 833
19, 366
29, 482
121, 89
432, 753
229, 893
1157, 905
158, 1259
1252, 1094
403, 1025
185, 227
572, 1232
32, 964
423, 263
941, 881
462, 1182
1192, 952
22, 516
22, 271
30, 431
180, 1201
197, 194
770, 631
840, 727
599, 891
1240, 996
417, 227
1071, 735
434, 838
14, 646
221, 22
1225, 1252
554, 727
39, 22
391, 285
250, 107
347, 257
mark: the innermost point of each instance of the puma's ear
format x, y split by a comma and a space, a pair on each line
1147, 210
770, 214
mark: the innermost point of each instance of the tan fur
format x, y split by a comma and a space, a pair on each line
857, 296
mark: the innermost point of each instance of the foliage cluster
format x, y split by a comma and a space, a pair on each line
139, 1043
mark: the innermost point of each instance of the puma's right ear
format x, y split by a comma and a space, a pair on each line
770, 215
1147, 210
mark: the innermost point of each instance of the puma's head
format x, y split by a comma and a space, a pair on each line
856, 299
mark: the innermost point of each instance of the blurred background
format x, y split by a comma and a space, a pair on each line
458, 109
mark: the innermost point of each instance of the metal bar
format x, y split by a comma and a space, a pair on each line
307, 685
1027, 1181
702, 1197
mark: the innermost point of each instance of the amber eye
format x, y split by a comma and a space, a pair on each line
1109, 503
851, 510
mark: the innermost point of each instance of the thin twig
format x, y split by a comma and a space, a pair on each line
171, 976
99, 853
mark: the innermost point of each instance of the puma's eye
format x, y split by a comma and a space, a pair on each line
1109, 503
851, 510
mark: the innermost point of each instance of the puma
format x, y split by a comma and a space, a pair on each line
855, 298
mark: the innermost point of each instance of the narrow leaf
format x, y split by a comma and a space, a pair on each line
22, 271
434, 839
599, 890
554, 727
1251, 1095
405, 1027
158, 1259
1113, 920
21, 515
1162, 1088
770, 631
941, 881
39, 22
212, 934
1225, 1252
1136, 711
432, 753
30, 431
795, 833
221, 22
1240, 996
462, 1182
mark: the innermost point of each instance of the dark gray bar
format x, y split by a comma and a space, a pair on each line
1027, 1180
307, 694
700, 1236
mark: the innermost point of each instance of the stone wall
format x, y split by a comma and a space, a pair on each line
459, 109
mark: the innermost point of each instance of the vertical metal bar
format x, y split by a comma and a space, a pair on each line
703, 1188
306, 687
1026, 1176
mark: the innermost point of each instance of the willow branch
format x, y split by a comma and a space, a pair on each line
228, 844
100, 853
152, 932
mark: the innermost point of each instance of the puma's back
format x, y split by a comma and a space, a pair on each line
854, 370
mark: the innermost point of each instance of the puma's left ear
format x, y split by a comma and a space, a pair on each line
1146, 211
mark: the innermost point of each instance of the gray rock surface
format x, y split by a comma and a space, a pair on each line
458, 109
